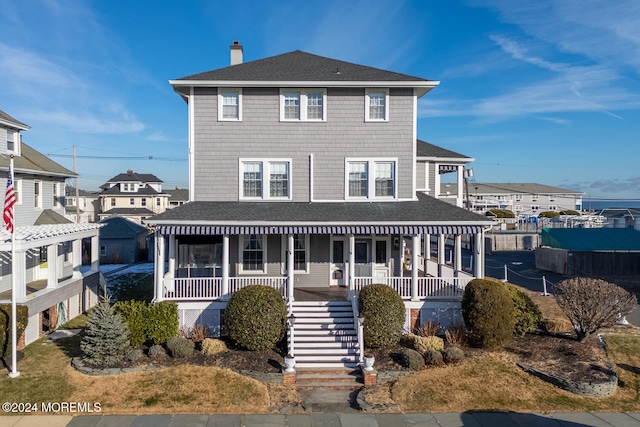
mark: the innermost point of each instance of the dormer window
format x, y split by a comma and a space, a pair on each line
128, 187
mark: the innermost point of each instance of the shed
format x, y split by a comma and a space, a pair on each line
122, 241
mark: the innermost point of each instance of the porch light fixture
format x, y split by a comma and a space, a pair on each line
361, 319
292, 320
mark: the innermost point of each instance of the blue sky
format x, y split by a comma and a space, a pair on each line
535, 91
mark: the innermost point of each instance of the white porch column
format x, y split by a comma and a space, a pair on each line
442, 240
19, 268
159, 266
478, 255
76, 258
400, 260
172, 255
426, 256
457, 260
352, 258
52, 266
290, 267
95, 253
415, 247
460, 179
225, 267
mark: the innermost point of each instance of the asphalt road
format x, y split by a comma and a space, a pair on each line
522, 271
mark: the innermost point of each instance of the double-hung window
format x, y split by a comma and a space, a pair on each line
376, 105
253, 253
37, 193
265, 179
11, 140
371, 178
303, 105
230, 104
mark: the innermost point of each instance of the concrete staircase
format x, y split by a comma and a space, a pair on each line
325, 335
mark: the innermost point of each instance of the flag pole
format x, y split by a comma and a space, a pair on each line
14, 325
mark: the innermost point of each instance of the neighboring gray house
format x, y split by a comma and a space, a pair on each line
122, 241
523, 199
51, 280
85, 209
177, 197
302, 176
136, 196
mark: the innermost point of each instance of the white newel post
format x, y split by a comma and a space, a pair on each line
172, 255
95, 254
457, 259
76, 257
352, 251
225, 267
415, 247
159, 265
52, 266
290, 267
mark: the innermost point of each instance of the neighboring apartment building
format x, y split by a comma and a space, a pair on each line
523, 199
303, 177
131, 195
83, 210
49, 249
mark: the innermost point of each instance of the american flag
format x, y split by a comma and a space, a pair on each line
9, 201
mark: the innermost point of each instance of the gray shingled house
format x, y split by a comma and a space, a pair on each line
304, 177
122, 241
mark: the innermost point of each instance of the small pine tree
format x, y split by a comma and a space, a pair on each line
107, 337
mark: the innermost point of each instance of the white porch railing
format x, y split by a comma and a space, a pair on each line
210, 288
428, 287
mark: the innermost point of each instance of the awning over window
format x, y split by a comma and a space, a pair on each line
305, 229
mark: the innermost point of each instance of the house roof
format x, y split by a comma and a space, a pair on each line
50, 217
71, 191
115, 191
179, 194
9, 121
517, 188
127, 212
33, 162
117, 227
301, 66
424, 149
426, 211
592, 239
133, 176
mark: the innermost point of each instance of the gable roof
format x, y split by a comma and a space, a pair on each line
179, 194
50, 217
592, 239
117, 227
115, 191
9, 121
133, 176
33, 162
298, 68
424, 149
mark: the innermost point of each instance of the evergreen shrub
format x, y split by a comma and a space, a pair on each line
156, 350
411, 359
213, 346
433, 358
384, 315
453, 355
488, 312
5, 325
423, 344
156, 321
527, 315
256, 317
549, 214
180, 347
106, 340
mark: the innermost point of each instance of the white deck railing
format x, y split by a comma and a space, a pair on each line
210, 288
428, 287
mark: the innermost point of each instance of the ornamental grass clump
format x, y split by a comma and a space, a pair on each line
384, 315
106, 340
488, 311
256, 317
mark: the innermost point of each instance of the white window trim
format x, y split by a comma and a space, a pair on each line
371, 179
266, 179
56, 194
303, 104
18, 190
283, 254
221, 92
37, 198
264, 238
366, 104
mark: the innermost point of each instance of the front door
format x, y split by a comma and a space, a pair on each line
337, 270
362, 257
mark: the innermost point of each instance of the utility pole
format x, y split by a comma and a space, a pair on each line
75, 170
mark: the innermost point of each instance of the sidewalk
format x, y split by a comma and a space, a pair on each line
445, 419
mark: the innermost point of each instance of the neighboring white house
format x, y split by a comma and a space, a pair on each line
85, 209
523, 199
131, 195
49, 249
303, 178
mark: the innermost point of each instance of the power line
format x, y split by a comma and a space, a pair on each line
149, 157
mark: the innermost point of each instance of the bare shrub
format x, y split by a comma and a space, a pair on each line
591, 304
456, 335
429, 329
198, 333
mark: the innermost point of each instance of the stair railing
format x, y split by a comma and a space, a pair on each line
291, 320
358, 321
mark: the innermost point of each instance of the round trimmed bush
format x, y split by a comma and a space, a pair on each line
156, 350
213, 346
256, 317
453, 355
384, 315
411, 359
180, 347
433, 358
488, 312
526, 312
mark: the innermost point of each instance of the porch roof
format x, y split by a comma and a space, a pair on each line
421, 216
33, 235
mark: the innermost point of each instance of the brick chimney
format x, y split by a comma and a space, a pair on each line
236, 53
129, 172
